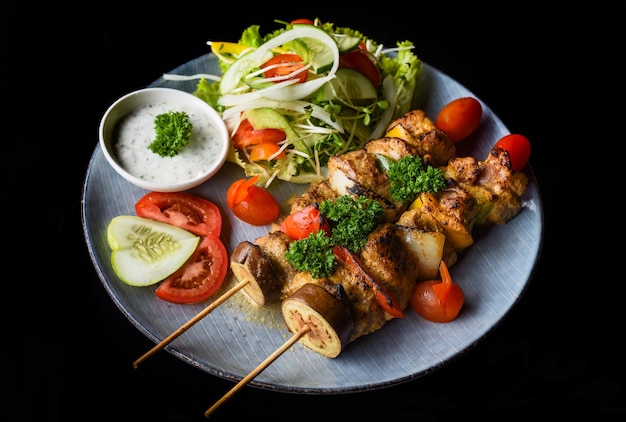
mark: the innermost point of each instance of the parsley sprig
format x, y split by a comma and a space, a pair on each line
409, 178
352, 219
173, 131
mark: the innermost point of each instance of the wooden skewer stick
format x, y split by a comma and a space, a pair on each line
192, 321
271, 358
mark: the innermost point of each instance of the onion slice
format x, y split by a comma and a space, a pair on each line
232, 77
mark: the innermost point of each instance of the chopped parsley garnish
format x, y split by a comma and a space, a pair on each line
351, 219
173, 131
409, 178
314, 254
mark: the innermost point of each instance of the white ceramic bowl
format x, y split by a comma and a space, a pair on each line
127, 129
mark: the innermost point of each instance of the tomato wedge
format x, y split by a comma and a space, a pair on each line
251, 203
187, 211
283, 65
246, 135
200, 277
384, 298
304, 222
359, 60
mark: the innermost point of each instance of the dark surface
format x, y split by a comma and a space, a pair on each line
67, 350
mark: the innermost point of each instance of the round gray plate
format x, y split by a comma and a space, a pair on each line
235, 338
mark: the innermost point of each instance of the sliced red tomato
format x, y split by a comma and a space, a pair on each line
246, 135
304, 222
518, 147
459, 118
383, 297
438, 300
360, 61
265, 151
187, 211
303, 21
200, 276
251, 203
284, 65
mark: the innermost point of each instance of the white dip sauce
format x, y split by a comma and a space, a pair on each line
135, 132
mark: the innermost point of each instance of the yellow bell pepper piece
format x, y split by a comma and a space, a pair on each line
228, 51
399, 131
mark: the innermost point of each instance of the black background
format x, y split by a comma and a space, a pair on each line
67, 350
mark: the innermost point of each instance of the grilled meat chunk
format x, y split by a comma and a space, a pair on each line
390, 263
394, 148
451, 211
496, 189
359, 173
430, 143
362, 167
316, 193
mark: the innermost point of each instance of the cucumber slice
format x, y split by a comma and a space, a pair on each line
268, 118
145, 251
346, 43
320, 56
348, 86
241, 67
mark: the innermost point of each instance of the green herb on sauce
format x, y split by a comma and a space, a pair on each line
173, 131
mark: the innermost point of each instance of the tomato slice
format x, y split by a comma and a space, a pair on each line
187, 211
246, 135
251, 203
304, 222
283, 65
200, 276
302, 21
359, 60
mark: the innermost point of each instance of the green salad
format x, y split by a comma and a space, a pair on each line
294, 97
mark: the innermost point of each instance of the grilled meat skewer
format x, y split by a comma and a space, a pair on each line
413, 238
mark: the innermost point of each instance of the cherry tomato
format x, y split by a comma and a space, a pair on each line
302, 21
459, 118
246, 135
438, 301
200, 276
187, 211
518, 147
359, 60
304, 222
265, 150
251, 203
283, 65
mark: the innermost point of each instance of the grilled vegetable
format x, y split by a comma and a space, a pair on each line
327, 314
249, 264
